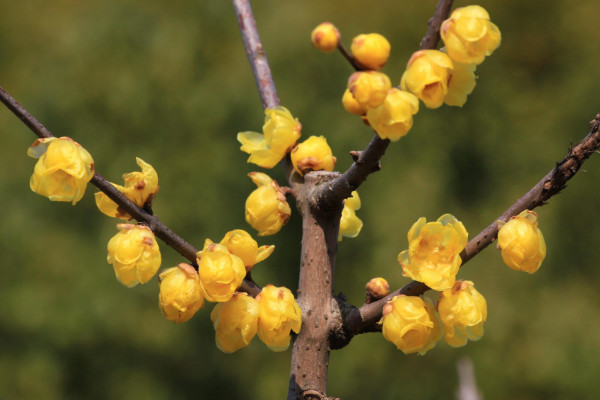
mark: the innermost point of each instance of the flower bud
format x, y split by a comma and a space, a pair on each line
134, 254
63, 170
369, 88
140, 188
433, 251
351, 105
278, 315
522, 243
411, 324
266, 208
350, 224
371, 50
280, 133
325, 37
463, 310
241, 244
235, 322
394, 118
469, 35
461, 84
220, 272
180, 296
314, 154
377, 288
427, 75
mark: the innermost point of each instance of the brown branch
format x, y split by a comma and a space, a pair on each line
364, 319
441, 13
350, 58
160, 230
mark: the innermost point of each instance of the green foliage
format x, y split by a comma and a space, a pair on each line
169, 82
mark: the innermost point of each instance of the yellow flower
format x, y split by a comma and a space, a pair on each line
369, 88
63, 170
278, 315
280, 133
180, 296
140, 188
266, 208
351, 105
411, 324
427, 75
469, 35
371, 50
235, 322
522, 243
350, 224
463, 311
461, 84
378, 288
394, 118
241, 244
433, 251
134, 254
325, 37
221, 272
314, 154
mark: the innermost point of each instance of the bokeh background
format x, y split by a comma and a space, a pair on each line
168, 81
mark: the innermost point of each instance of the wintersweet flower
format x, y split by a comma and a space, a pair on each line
140, 188
371, 50
411, 324
325, 37
369, 88
377, 288
350, 224
394, 118
433, 251
63, 170
180, 295
469, 35
461, 84
220, 272
427, 75
235, 322
314, 154
522, 243
278, 315
280, 133
241, 244
351, 105
134, 254
463, 310
266, 208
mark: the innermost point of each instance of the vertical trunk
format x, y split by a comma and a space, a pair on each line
310, 353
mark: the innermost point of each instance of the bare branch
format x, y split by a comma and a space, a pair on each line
441, 13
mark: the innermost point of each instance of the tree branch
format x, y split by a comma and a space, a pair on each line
160, 230
441, 13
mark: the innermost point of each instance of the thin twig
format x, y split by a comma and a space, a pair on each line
441, 13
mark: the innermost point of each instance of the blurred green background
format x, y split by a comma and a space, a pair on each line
169, 82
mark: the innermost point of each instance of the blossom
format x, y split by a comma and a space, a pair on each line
63, 169
325, 37
411, 324
433, 251
427, 75
371, 50
280, 133
241, 244
278, 315
220, 272
369, 88
134, 254
351, 105
314, 154
460, 84
394, 118
140, 188
463, 310
522, 243
266, 208
235, 322
350, 224
469, 35
180, 295
377, 288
